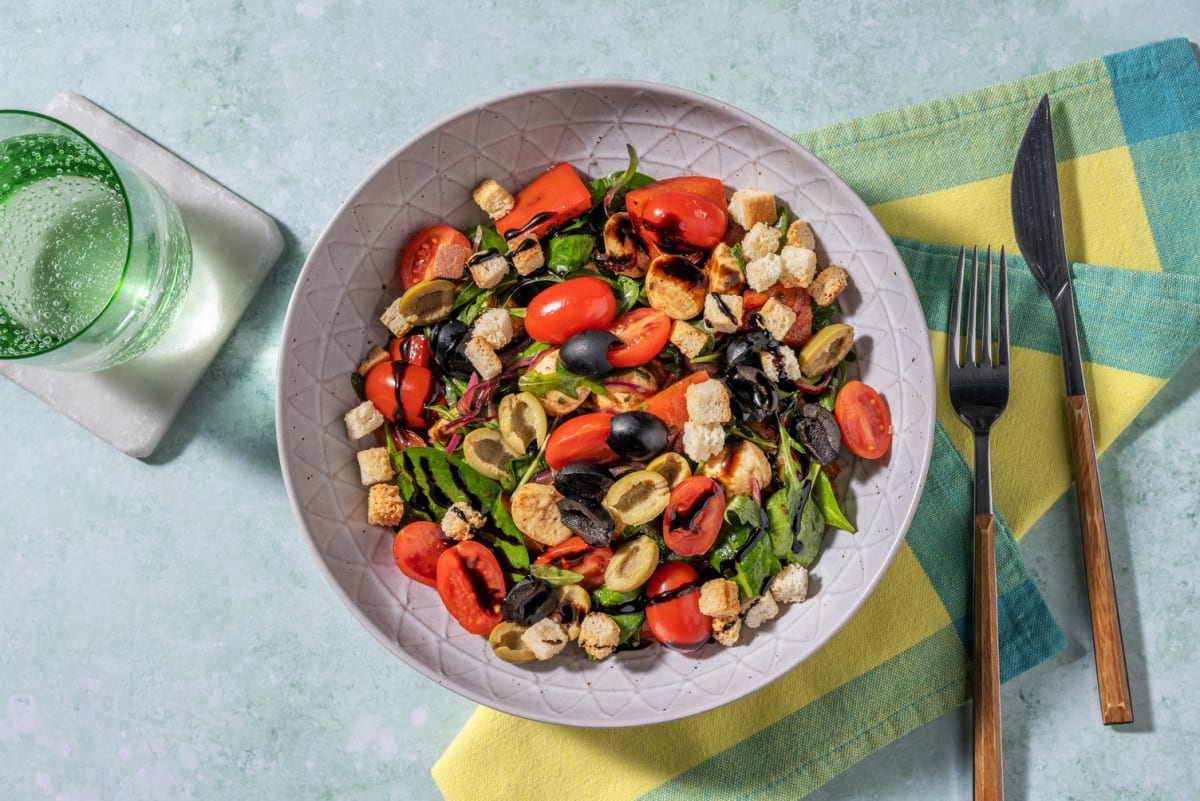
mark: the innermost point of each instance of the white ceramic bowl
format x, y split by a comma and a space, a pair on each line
333, 317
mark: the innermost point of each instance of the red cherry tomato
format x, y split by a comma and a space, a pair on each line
471, 585
578, 439
417, 260
576, 555
796, 298
676, 620
557, 193
412, 349
406, 406
643, 333
565, 309
670, 405
693, 517
683, 222
416, 550
864, 419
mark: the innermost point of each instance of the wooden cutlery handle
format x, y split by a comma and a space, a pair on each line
985, 671
1112, 680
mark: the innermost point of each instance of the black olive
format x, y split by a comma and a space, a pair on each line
818, 430
751, 394
586, 353
747, 347
589, 519
530, 600
636, 435
583, 480
448, 342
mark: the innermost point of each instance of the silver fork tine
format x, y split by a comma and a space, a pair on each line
986, 342
972, 333
956, 312
1003, 348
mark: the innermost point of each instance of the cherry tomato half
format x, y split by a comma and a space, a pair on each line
579, 439
576, 555
683, 222
670, 405
416, 550
643, 333
565, 309
694, 514
864, 419
471, 585
558, 193
405, 406
413, 349
795, 298
676, 621
419, 256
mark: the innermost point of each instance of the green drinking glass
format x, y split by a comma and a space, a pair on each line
94, 257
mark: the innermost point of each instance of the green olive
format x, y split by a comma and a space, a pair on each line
505, 639
673, 467
485, 451
632, 565
827, 347
428, 301
522, 422
638, 497
573, 605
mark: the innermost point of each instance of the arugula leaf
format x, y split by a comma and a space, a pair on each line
620, 182
557, 576
561, 379
743, 551
739, 258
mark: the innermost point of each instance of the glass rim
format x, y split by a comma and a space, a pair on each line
9, 112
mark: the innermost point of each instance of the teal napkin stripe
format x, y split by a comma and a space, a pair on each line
1152, 307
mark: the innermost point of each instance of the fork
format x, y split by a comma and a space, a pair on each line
979, 393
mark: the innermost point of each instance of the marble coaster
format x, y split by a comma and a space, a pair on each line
234, 245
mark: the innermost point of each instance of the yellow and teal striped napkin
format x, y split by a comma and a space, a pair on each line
1127, 132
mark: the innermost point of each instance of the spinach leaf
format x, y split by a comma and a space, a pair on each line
743, 551
569, 251
809, 535
561, 379
627, 291
827, 502
488, 238
609, 601
358, 383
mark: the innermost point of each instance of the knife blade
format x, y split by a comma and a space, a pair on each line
1037, 223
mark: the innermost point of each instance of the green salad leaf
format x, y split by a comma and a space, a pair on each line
619, 182
557, 576
569, 251
629, 623
743, 551
561, 379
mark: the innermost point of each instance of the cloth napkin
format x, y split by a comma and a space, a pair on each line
937, 175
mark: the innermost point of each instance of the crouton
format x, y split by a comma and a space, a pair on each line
775, 317
676, 286
399, 324
384, 505
599, 635
481, 356
545, 639
702, 441
723, 312
738, 467
488, 270
828, 284
556, 403
727, 629
362, 420
450, 261
526, 254
800, 234
689, 339
799, 266
535, 512
723, 271
719, 598
750, 206
781, 364
762, 273
376, 356
374, 466
461, 522
708, 402
493, 198
761, 240
790, 585
494, 327
759, 610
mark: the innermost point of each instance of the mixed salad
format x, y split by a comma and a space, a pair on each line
611, 414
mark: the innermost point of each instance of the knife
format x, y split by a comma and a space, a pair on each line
1037, 221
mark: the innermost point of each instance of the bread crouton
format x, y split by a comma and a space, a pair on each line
723, 312
494, 327
488, 270
750, 206
362, 420
761, 240
399, 324
374, 466
461, 522
526, 254
493, 198
689, 339
828, 284
790, 585
375, 356
799, 266
719, 598
764, 272
723, 271
781, 364
776, 317
727, 629
759, 610
450, 261
702, 441
800, 234
535, 513
384, 505
708, 402
545, 639
599, 635
483, 358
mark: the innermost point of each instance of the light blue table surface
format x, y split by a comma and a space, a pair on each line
164, 632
